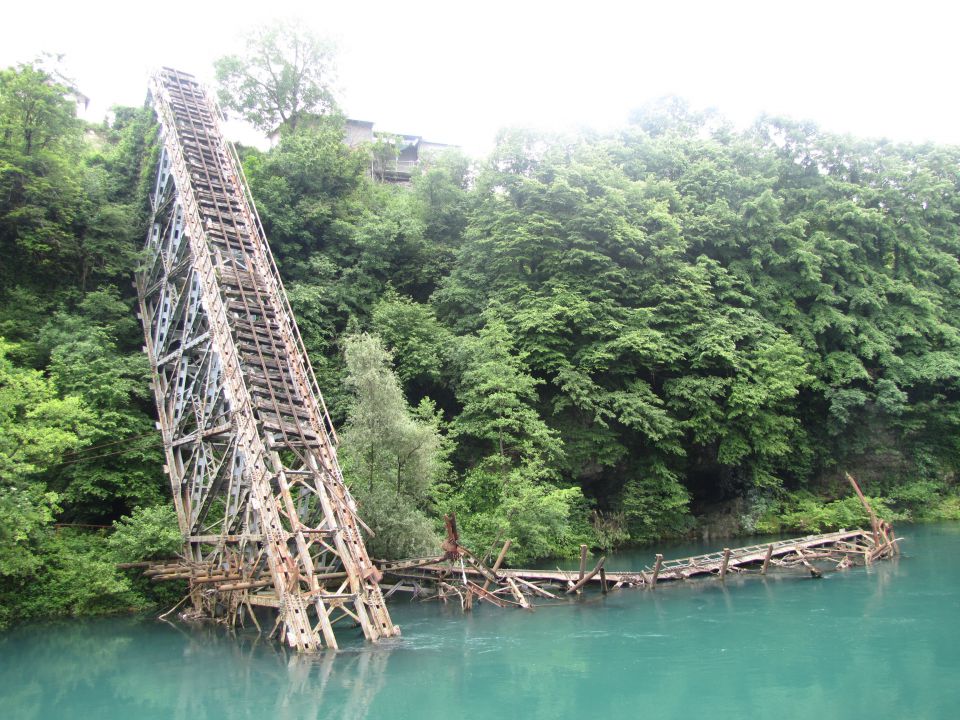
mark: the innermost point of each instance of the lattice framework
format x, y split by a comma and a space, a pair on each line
250, 449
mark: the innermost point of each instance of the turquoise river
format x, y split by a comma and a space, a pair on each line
879, 642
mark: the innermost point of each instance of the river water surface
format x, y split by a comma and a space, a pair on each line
879, 642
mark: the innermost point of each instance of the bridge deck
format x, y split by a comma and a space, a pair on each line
830, 546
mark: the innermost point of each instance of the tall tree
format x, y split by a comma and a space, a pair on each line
499, 401
393, 456
285, 74
35, 115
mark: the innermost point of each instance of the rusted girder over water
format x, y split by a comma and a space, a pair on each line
250, 449
812, 553
839, 550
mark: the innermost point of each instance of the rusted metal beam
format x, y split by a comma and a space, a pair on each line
250, 449
848, 546
656, 571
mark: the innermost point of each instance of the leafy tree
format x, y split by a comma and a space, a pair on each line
392, 455
421, 344
739, 310
285, 75
35, 115
40, 184
86, 360
498, 397
75, 577
27, 514
654, 504
495, 502
508, 488
147, 533
72, 381
309, 192
37, 427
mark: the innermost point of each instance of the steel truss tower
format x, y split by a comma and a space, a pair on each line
250, 449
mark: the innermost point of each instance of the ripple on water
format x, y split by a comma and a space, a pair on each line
881, 644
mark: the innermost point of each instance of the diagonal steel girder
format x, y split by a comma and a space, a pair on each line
250, 448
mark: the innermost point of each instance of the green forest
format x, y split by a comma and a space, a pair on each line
606, 338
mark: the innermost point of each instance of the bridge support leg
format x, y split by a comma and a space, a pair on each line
726, 561
766, 559
656, 571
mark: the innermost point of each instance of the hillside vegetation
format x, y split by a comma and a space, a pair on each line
595, 338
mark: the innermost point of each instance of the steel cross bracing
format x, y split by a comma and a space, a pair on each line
250, 449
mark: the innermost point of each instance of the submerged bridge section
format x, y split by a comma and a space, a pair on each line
250, 449
812, 553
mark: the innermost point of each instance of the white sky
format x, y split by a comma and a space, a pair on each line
457, 71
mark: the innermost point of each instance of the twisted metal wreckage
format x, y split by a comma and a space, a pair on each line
266, 518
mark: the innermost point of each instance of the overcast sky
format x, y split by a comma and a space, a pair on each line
457, 71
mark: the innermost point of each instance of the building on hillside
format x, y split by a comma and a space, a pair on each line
394, 157
52, 64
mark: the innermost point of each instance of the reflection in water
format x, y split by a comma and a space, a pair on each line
881, 641
123, 668
364, 671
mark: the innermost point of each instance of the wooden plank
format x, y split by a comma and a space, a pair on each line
485, 595
249, 585
827, 546
813, 571
517, 594
586, 578
873, 517
766, 560
656, 571
498, 562
536, 590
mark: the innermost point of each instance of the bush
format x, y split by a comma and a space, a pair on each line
949, 509
655, 505
401, 529
541, 519
805, 513
77, 576
146, 534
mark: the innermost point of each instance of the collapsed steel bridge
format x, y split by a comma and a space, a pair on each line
250, 449
266, 518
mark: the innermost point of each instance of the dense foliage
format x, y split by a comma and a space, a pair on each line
598, 338
645, 326
78, 448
